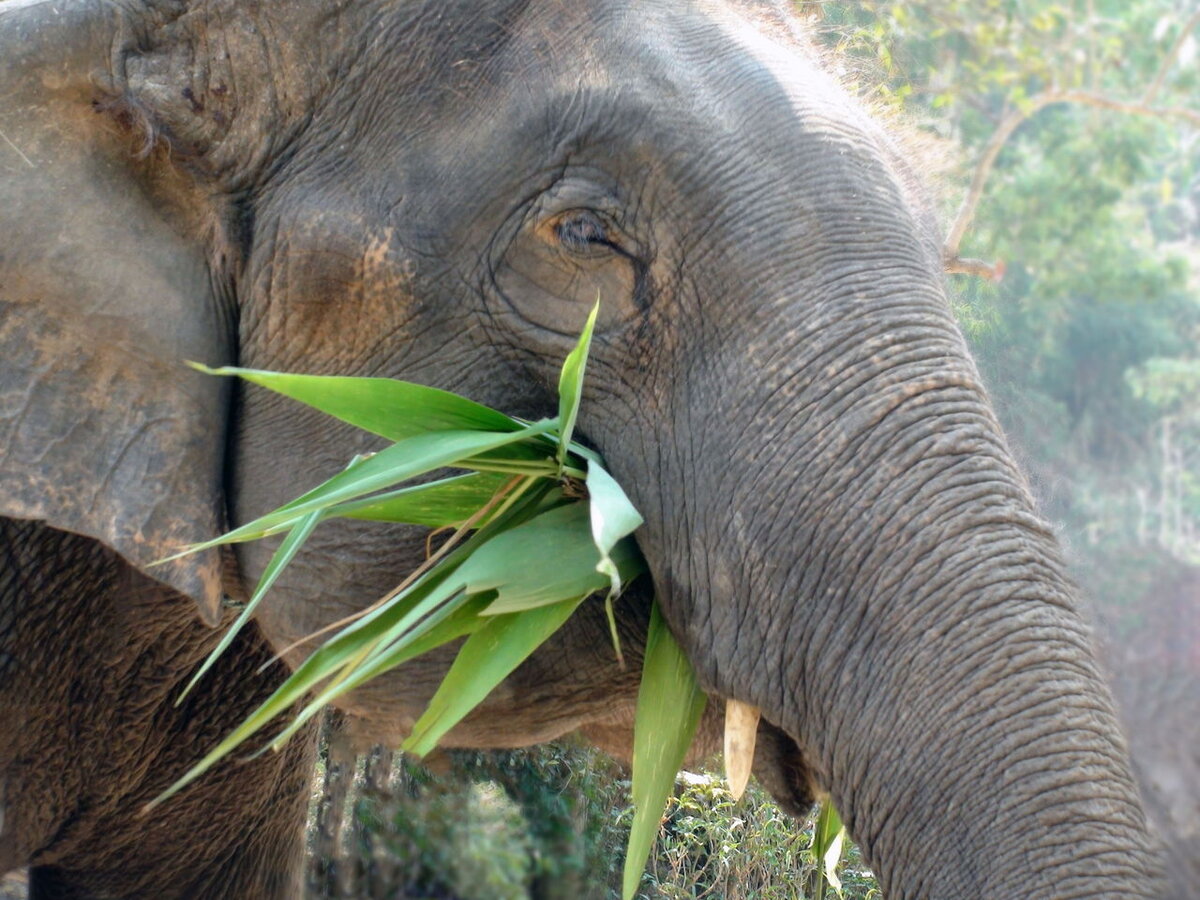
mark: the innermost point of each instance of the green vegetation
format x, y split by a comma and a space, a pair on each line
552, 822
528, 487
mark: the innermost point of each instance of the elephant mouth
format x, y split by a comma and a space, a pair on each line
779, 765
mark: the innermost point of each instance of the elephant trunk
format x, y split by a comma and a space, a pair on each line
858, 520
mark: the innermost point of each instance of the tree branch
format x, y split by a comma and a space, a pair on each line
983, 170
1129, 107
1008, 127
990, 271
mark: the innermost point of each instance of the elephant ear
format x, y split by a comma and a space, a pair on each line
106, 288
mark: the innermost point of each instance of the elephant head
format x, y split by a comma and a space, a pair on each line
439, 191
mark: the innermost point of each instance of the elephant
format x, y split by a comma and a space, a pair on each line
439, 191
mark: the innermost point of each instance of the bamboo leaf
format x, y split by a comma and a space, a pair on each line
448, 620
488, 657
507, 588
287, 694
570, 385
462, 621
549, 558
282, 556
381, 639
333, 656
612, 518
437, 504
392, 409
669, 707
399, 462
828, 838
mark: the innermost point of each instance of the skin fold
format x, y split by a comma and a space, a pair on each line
439, 191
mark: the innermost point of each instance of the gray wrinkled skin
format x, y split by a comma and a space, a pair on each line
439, 191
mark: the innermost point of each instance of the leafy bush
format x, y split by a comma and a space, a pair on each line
551, 823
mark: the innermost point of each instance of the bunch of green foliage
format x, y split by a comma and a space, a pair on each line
528, 488
712, 846
447, 833
524, 492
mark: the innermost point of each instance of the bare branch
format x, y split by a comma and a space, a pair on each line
990, 271
1133, 108
1014, 120
1171, 58
983, 171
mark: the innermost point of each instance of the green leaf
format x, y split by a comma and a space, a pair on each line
438, 504
282, 556
489, 656
549, 558
392, 409
445, 580
828, 838
362, 647
329, 659
613, 517
570, 385
441, 622
461, 621
399, 462
507, 587
669, 707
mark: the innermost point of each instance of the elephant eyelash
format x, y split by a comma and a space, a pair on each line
582, 231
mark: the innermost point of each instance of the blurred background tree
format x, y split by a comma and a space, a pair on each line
1075, 186
1062, 140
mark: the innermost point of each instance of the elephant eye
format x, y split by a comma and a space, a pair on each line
583, 232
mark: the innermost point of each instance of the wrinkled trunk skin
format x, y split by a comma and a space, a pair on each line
857, 518
933, 668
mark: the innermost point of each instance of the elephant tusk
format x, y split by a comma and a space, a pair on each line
741, 731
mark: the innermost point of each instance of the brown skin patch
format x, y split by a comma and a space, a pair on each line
95, 656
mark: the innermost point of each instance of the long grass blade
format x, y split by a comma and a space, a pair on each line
392, 409
570, 385
287, 550
669, 707
489, 656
